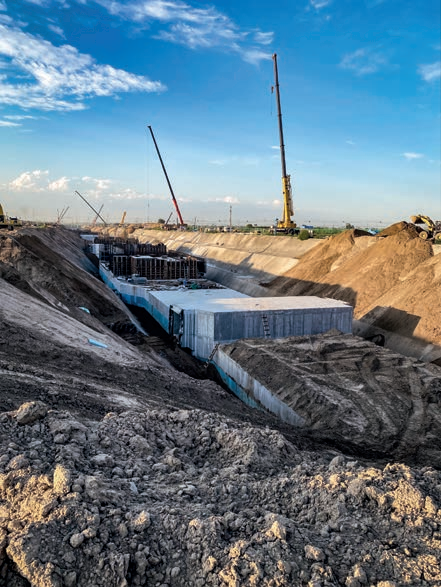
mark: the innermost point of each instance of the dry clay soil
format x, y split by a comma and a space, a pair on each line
117, 469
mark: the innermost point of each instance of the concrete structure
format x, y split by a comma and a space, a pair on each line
200, 319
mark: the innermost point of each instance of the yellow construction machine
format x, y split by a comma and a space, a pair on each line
8, 222
285, 224
432, 230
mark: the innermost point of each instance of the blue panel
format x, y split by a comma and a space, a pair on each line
238, 390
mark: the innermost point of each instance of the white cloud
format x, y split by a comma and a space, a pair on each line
8, 123
59, 185
363, 61
276, 203
57, 30
19, 117
319, 4
193, 26
29, 181
129, 194
350, 142
275, 147
430, 72
96, 187
255, 56
62, 76
5, 19
186, 24
219, 162
411, 156
227, 200
263, 38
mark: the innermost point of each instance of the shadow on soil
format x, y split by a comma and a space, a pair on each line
285, 286
393, 320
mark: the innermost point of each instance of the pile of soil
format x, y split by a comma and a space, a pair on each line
351, 393
188, 498
393, 280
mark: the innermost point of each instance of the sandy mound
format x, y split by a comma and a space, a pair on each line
396, 279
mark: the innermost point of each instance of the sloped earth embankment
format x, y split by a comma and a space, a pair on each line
351, 393
393, 280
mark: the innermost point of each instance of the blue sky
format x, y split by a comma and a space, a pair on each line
80, 80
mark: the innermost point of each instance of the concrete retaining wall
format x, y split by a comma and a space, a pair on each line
251, 391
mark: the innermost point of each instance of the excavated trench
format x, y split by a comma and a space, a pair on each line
392, 279
122, 471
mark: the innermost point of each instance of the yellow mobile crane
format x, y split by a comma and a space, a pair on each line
285, 224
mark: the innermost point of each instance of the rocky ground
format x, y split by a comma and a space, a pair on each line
118, 470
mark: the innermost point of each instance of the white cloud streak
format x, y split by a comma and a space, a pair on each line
195, 27
59, 78
20, 117
430, 72
319, 4
57, 30
412, 156
8, 123
363, 61
226, 200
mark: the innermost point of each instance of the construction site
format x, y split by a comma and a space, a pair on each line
299, 452
190, 409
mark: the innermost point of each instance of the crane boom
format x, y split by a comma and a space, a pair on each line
90, 206
286, 223
168, 181
96, 217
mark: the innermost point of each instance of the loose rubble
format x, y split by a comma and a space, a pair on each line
182, 497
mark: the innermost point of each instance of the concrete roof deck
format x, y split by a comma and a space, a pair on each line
228, 300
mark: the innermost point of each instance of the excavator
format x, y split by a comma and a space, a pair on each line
285, 224
8, 222
433, 230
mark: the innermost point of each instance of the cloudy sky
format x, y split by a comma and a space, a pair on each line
80, 80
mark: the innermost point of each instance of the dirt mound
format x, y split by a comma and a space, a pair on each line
399, 227
351, 392
52, 267
185, 498
396, 277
